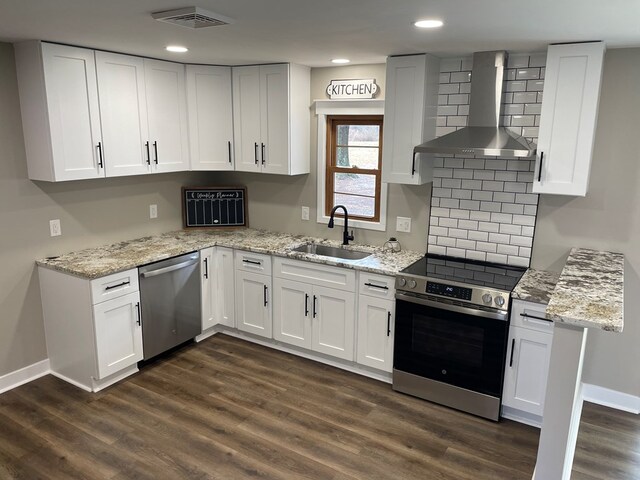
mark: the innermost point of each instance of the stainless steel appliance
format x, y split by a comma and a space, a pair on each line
452, 324
170, 301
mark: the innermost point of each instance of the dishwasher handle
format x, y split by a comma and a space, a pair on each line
172, 268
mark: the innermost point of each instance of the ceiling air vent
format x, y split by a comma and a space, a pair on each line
192, 17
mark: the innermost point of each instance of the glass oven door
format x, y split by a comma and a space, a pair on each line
450, 343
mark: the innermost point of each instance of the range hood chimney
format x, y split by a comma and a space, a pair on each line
483, 135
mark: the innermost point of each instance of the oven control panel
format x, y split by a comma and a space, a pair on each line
451, 291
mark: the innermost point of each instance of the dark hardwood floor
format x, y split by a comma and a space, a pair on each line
228, 409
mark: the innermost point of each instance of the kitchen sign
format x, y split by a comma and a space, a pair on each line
341, 89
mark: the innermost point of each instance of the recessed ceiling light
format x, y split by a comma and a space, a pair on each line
340, 60
177, 49
428, 23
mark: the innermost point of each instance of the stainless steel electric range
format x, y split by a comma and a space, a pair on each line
452, 324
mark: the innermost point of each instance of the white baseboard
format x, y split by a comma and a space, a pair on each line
610, 398
24, 375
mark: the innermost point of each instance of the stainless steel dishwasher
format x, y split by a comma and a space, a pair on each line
170, 300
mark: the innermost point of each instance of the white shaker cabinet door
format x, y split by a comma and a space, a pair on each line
246, 118
527, 370
118, 333
274, 120
74, 115
333, 314
292, 312
209, 291
225, 274
167, 113
375, 332
568, 118
210, 117
253, 303
123, 111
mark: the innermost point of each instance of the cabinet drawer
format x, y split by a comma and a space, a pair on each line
315, 273
114, 286
531, 316
253, 262
374, 285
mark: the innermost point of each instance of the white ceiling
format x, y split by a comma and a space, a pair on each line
311, 32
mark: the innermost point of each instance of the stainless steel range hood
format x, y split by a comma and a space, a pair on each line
483, 135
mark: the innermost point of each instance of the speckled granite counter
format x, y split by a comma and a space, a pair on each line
98, 262
536, 286
590, 291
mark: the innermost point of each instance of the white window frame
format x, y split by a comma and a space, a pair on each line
325, 108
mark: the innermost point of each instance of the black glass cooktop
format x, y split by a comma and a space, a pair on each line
470, 272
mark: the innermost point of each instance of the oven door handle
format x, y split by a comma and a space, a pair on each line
453, 308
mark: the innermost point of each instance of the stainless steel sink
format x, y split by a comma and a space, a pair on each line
335, 252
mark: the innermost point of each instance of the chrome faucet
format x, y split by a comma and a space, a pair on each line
346, 236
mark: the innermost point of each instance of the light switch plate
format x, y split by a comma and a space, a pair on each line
153, 211
403, 224
54, 227
305, 213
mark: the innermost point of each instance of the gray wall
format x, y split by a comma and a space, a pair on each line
275, 201
608, 218
92, 213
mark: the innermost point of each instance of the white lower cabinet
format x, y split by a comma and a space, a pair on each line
527, 366
118, 334
253, 303
93, 327
314, 307
209, 288
225, 275
375, 332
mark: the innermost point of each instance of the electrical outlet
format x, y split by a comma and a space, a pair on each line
305, 213
403, 224
153, 211
54, 228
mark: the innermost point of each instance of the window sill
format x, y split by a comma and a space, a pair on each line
377, 226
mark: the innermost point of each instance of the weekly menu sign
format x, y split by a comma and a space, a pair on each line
214, 207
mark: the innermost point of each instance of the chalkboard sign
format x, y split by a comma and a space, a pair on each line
219, 207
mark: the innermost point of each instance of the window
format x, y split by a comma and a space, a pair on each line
353, 166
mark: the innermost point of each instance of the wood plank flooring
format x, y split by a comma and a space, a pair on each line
228, 409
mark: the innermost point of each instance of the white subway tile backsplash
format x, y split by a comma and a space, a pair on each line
480, 216
510, 229
508, 249
482, 196
448, 222
501, 217
449, 203
478, 236
436, 250
486, 247
482, 207
484, 174
456, 252
449, 88
527, 73
470, 204
475, 255
496, 258
461, 77
453, 162
525, 97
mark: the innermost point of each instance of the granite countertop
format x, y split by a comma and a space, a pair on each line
101, 261
590, 291
536, 286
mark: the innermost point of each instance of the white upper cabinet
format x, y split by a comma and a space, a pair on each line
568, 118
123, 110
210, 117
167, 114
271, 118
60, 113
410, 112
